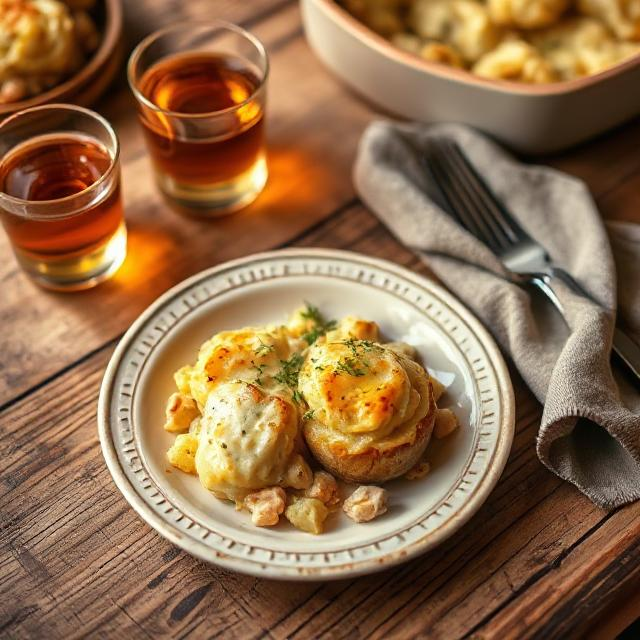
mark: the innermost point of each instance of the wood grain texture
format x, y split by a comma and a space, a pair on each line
84, 563
538, 560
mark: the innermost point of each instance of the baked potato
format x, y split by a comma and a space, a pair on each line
380, 462
372, 409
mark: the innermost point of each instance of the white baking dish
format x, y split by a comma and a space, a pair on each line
529, 118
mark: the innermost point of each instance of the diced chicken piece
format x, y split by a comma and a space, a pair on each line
324, 488
180, 412
366, 503
266, 506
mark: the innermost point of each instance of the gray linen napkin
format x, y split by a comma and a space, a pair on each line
567, 369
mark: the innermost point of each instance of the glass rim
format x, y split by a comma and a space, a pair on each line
114, 158
156, 35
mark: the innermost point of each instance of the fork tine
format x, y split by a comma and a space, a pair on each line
501, 215
457, 207
466, 207
476, 205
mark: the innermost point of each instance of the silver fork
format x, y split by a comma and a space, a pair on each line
468, 199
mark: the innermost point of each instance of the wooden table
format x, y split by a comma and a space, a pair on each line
537, 560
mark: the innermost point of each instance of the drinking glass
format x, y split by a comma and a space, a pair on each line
201, 91
60, 198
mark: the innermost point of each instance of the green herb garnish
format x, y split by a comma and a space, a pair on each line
355, 364
352, 367
320, 325
308, 415
358, 346
260, 369
288, 374
289, 370
262, 349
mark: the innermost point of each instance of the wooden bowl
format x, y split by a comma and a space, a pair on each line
89, 82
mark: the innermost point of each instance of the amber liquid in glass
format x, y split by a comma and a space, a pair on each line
52, 167
202, 152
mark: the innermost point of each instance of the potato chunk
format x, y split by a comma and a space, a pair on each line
180, 412
446, 423
182, 378
324, 488
182, 453
365, 503
307, 514
266, 506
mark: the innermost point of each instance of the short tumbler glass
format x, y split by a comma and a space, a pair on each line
201, 92
60, 198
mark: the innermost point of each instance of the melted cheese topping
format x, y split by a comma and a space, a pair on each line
249, 354
246, 385
399, 430
246, 441
357, 386
357, 328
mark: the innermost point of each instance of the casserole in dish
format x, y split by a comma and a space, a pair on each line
538, 118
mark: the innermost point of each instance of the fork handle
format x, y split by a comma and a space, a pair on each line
626, 349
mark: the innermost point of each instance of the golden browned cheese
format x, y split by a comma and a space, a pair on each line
464, 25
250, 354
515, 60
529, 41
371, 408
621, 16
526, 14
247, 441
581, 46
249, 435
358, 387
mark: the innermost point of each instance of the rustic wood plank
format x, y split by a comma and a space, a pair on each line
85, 564
604, 163
537, 560
622, 613
310, 178
564, 609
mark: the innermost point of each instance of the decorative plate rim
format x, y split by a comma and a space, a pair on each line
262, 568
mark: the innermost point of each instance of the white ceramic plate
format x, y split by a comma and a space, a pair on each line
266, 288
